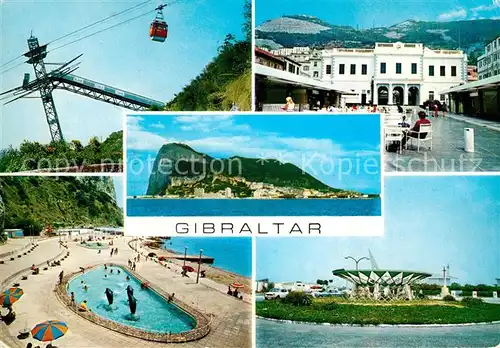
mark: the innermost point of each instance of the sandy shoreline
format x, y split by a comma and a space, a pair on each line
216, 274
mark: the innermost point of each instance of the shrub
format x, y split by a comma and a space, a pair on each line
330, 306
298, 298
471, 301
448, 298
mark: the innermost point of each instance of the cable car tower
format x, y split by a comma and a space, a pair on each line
62, 78
36, 55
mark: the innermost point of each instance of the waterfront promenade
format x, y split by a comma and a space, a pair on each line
231, 318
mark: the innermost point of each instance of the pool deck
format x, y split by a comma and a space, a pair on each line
231, 323
448, 154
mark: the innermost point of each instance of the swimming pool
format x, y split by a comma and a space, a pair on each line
154, 313
95, 245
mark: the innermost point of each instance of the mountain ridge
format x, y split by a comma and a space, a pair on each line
190, 171
298, 30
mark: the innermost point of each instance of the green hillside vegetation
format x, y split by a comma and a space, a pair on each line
468, 35
268, 171
59, 201
225, 80
34, 155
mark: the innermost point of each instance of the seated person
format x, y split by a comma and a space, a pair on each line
83, 306
413, 132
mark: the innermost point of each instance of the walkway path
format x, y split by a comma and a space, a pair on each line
46, 250
13, 244
272, 334
232, 318
447, 154
493, 125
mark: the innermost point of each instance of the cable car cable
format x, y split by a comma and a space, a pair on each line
100, 21
83, 28
100, 31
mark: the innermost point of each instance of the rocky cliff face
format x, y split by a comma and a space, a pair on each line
168, 163
103, 184
177, 166
63, 201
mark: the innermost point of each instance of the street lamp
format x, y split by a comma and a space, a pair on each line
199, 264
357, 260
185, 252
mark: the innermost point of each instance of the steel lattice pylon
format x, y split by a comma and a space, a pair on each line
36, 55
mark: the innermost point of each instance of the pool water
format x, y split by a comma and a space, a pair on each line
153, 314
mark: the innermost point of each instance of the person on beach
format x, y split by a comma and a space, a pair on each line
111, 252
171, 298
73, 298
61, 275
229, 291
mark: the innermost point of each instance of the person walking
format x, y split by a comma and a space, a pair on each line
445, 108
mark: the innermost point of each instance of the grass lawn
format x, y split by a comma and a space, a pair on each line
414, 312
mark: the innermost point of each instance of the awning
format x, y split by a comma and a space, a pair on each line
293, 79
490, 82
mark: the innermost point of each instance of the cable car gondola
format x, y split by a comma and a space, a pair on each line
158, 30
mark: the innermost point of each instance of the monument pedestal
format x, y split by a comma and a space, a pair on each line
445, 291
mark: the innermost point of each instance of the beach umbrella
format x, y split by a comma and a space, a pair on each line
188, 268
237, 285
49, 330
10, 296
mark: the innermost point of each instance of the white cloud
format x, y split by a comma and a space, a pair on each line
158, 125
207, 124
458, 13
139, 139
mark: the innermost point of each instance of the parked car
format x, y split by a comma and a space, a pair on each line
328, 293
275, 294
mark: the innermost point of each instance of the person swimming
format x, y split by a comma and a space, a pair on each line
128, 278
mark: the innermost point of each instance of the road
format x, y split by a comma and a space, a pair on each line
272, 335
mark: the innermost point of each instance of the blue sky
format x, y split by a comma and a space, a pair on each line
430, 222
123, 57
118, 183
322, 145
381, 13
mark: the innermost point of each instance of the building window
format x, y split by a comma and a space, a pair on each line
382, 68
328, 69
306, 68
398, 68
431, 70
442, 97
341, 69
315, 74
315, 64
442, 70
431, 95
413, 68
364, 69
353, 69
453, 71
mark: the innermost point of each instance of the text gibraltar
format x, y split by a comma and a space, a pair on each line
245, 228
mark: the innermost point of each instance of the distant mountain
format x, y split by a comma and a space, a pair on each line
179, 170
300, 30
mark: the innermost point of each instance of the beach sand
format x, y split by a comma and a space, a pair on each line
216, 274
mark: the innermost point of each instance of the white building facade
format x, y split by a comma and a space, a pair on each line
389, 74
488, 64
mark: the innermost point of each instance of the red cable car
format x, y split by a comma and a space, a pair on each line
158, 30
